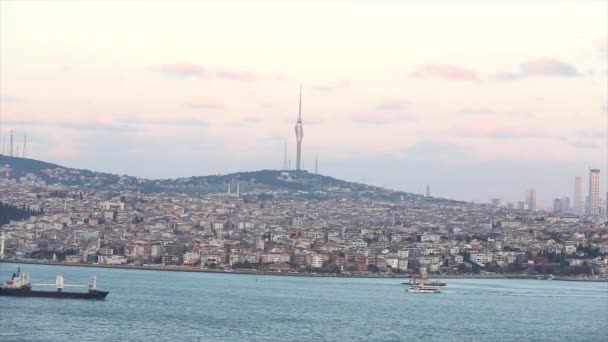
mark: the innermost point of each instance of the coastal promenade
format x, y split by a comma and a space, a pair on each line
300, 274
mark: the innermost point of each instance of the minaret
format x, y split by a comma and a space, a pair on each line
299, 134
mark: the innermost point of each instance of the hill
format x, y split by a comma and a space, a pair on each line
22, 166
264, 183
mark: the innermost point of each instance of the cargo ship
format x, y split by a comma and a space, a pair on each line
19, 286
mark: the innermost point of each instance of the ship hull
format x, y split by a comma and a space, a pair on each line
99, 295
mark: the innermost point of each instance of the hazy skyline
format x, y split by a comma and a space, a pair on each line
479, 100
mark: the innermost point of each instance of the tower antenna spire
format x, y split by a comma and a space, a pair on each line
316, 163
300, 106
24, 144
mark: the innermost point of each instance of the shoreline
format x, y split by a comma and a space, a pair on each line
289, 274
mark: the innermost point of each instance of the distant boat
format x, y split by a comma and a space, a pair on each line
436, 283
423, 289
423, 281
19, 286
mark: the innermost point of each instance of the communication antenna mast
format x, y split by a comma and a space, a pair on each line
24, 145
285, 166
316, 163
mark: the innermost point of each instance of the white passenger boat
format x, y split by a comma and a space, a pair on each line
423, 289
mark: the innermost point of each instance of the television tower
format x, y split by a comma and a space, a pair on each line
299, 134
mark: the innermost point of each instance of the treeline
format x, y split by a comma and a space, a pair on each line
10, 212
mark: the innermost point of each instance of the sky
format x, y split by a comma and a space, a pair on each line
477, 99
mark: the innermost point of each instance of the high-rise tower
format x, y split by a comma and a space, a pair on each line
531, 199
578, 195
594, 192
299, 134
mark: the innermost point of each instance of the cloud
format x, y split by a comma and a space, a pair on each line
188, 122
204, 103
604, 108
584, 145
252, 120
392, 105
446, 72
548, 67
235, 75
381, 117
601, 45
591, 134
433, 150
514, 133
6, 99
89, 125
505, 76
342, 84
183, 69
479, 111
186, 69
173, 121
491, 129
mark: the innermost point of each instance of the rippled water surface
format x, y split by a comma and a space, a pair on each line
176, 306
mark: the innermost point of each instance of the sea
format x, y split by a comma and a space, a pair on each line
189, 306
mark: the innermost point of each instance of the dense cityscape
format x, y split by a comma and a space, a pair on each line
337, 228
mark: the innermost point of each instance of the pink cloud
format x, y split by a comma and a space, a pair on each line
182, 69
236, 75
447, 72
548, 67
204, 103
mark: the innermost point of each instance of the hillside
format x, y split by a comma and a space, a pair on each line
267, 183
22, 166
